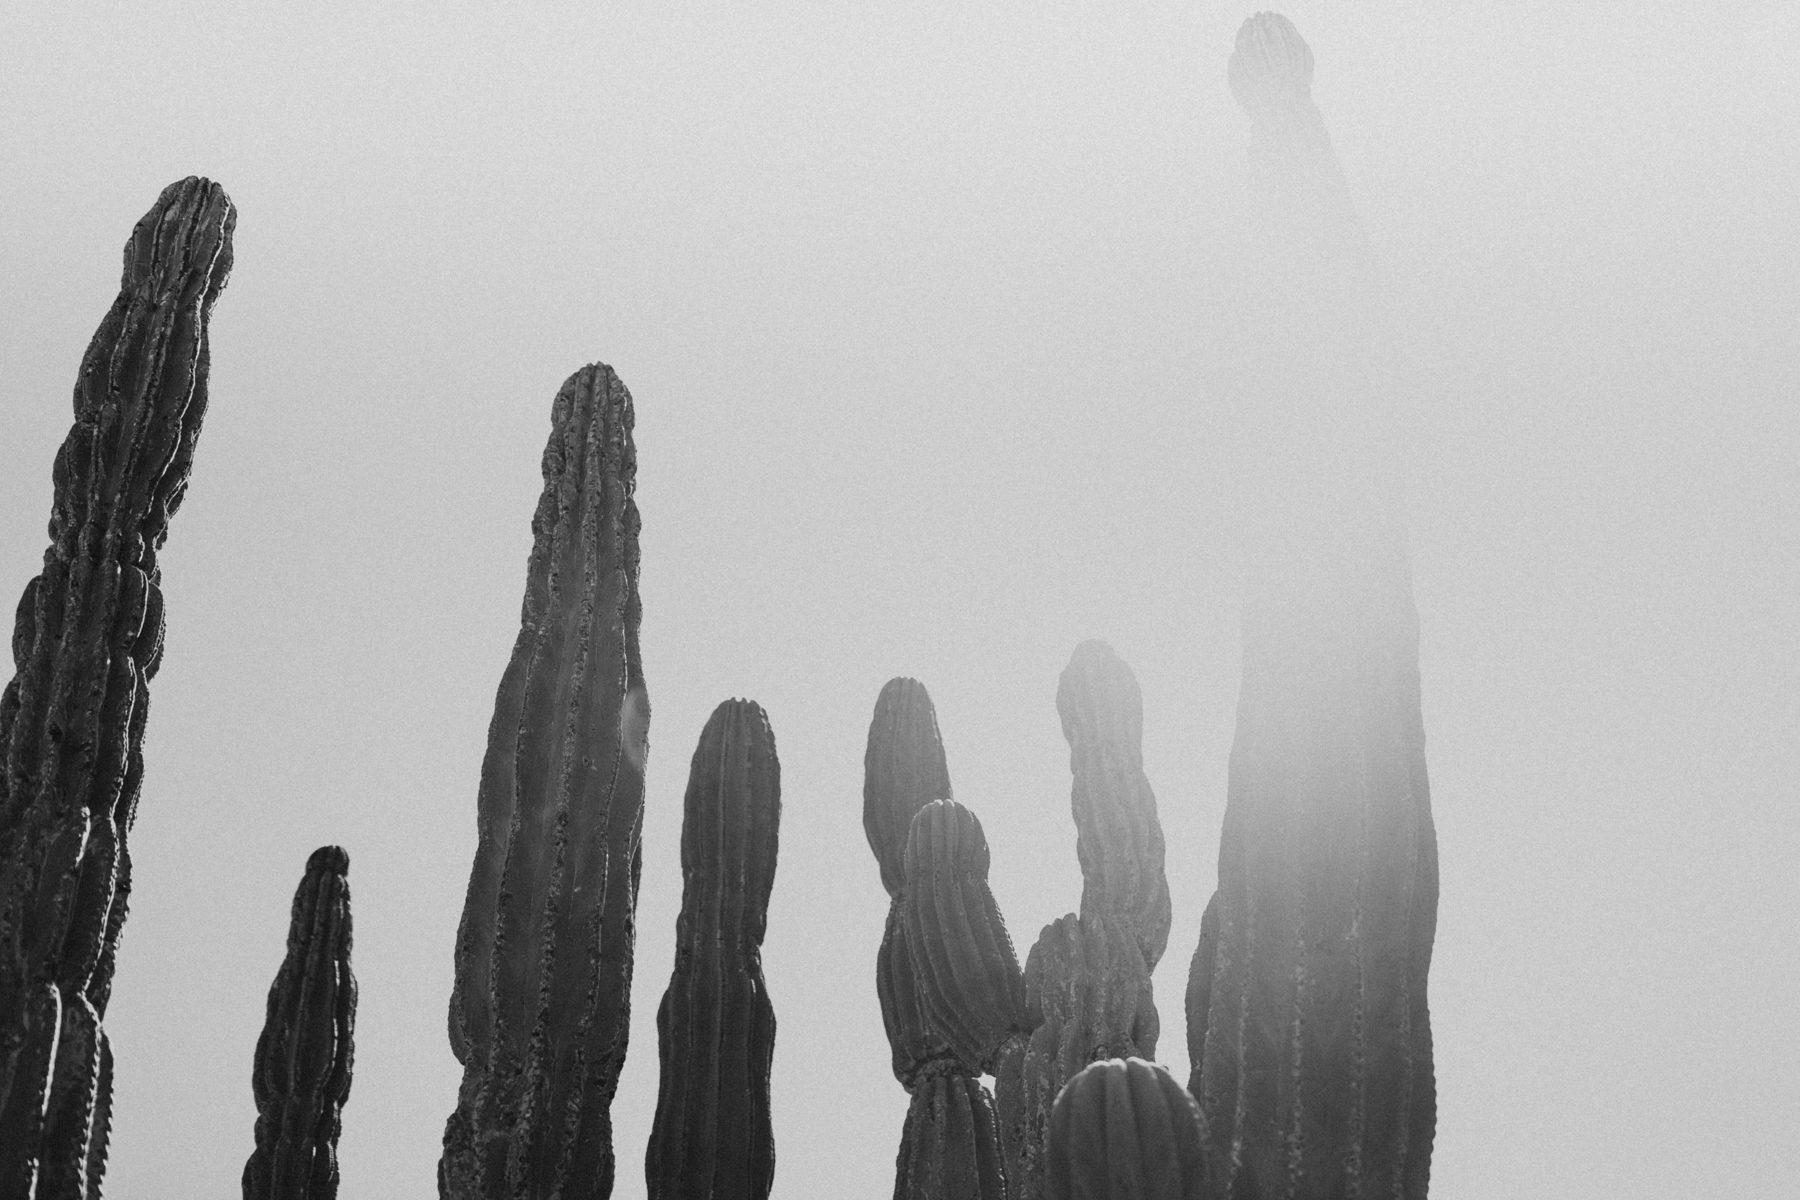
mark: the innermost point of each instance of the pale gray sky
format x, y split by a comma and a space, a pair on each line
926, 314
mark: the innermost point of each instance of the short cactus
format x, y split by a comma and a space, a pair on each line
539, 1015
712, 1135
304, 1056
1124, 1129
86, 641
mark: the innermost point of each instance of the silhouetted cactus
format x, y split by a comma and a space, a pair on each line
86, 642
303, 1058
903, 771
1124, 1129
539, 1015
716, 1028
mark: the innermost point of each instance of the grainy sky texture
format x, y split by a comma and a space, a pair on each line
928, 311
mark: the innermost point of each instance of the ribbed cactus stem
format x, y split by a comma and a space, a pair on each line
86, 641
539, 1014
903, 771
950, 1149
304, 1056
1118, 837
970, 986
1124, 1129
712, 1136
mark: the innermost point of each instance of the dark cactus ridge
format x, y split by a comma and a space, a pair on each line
539, 1014
970, 986
903, 771
1124, 1129
303, 1058
1308, 1021
950, 1147
87, 639
712, 1134
1118, 837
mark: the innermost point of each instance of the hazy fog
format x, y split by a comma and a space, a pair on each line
936, 328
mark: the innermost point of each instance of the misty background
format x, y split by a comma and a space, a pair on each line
930, 318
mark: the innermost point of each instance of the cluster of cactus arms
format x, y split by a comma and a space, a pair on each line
954, 1001
86, 642
1307, 1023
303, 1058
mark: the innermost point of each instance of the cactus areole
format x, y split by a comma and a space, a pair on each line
539, 1014
87, 639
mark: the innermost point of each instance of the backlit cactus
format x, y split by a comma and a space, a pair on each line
950, 1148
86, 641
539, 1015
304, 1056
712, 1135
1124, 1129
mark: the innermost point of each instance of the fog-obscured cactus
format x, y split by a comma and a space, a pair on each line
1124, 1129
301, 1076
539, 1015
87, 639
712, 1135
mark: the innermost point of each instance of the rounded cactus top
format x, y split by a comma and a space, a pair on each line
1271, 67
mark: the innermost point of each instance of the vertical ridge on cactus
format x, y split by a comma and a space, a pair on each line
304, 1056
950, 1147
1124, 1129
712, 1134
539, 1013
1118, 837
970, 985
87, 639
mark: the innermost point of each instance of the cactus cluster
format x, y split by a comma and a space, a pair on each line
86, 642
1307, 1021
954, 1000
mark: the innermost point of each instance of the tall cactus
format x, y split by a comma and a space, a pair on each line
1308, 1024
712, 1135
539, 1014
86, 642
303, 1058
1123, 1129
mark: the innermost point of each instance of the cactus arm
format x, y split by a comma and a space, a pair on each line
1118, 837
86, 641
712, 1135
1124, 1129
301, 1077
539, 1012
950, 1147
903, 771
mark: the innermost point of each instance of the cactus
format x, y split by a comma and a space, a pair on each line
538, 1017
1307, 1016
716, 1028
86, 642
950, 1148
1124, 1129
303, 1058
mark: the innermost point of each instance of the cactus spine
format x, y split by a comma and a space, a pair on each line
1308, 1024
712, 1135
1124, 1129
303, 1058
538, 1017
86, 642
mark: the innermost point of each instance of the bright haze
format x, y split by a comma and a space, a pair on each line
933, 318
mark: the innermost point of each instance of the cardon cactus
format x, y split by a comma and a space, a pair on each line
539, 1015
1308, 1025
86, 642
303, 1058
950, 1147
1124, 1129
716, 1027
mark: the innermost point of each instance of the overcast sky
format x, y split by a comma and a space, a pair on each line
928, 312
